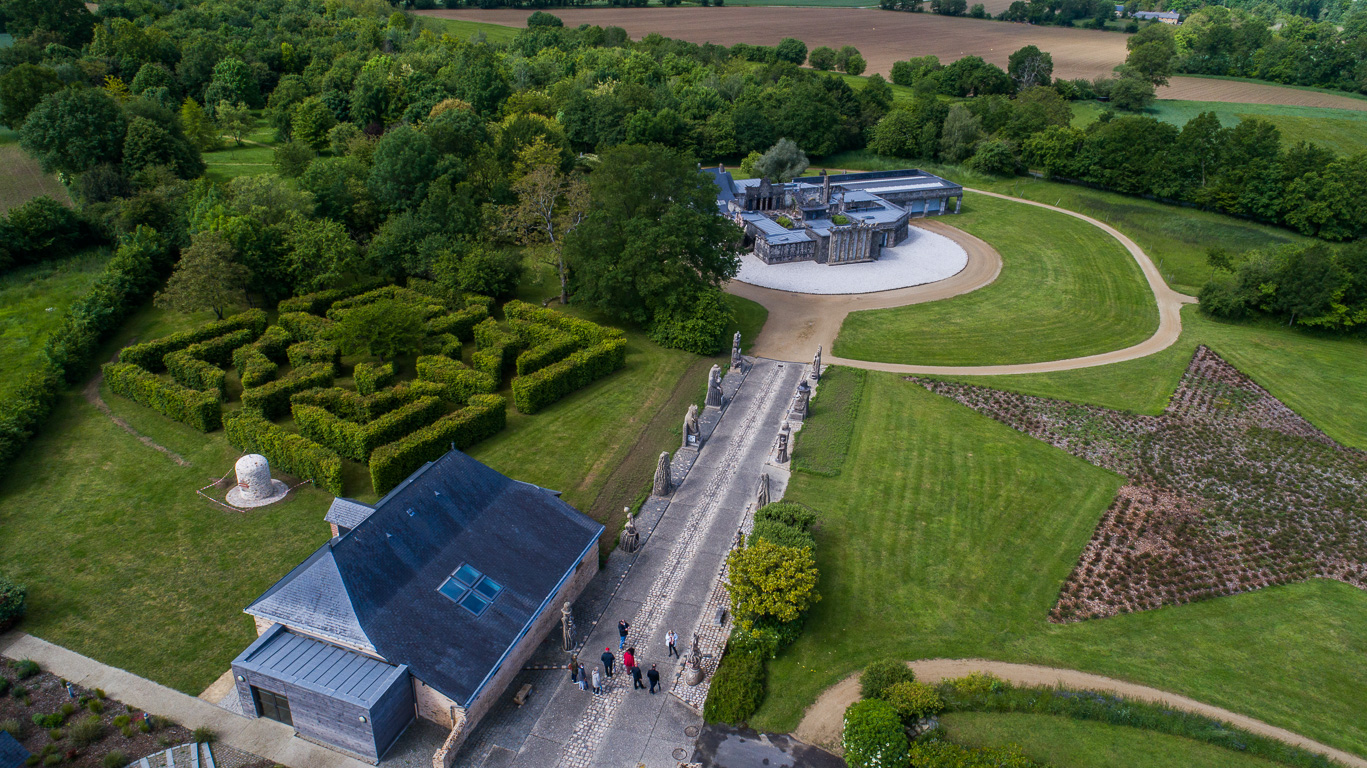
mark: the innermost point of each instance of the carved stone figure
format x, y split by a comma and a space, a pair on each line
714, 387
800, 398
762, 496
692, 437
816, 364
663, 482
566, 627
631, 538
694, 663
735, 350
783, 444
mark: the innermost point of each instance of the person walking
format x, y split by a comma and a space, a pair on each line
672, 640
636, 678
622, 627
654, 677
607, 658
629, 658
583, 678
574, 672
597, 683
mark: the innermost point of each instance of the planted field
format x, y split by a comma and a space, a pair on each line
32, 302
22, 179
1062, 742
1066, 289
466, 30
948, 535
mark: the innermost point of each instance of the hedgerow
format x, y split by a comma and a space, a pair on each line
302, 326
315, 351
446, 345
319, 302
201, 409
544, 346
588, 333
197, 366
485, 415
426, 305
258, 362
356, 440
273, 343
459, 324
737, 687
352, 405
286, 451
459, 382
371, 377
13, 603
494, 347
42, 229
273, 398
150, 355
535, 391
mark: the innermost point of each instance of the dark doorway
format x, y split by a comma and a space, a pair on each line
274, 706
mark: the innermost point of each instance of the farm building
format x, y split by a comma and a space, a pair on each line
1167, 17
426, 605
831, 219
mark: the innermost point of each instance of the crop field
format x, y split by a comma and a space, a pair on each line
21, 178
885, 36
1342, 130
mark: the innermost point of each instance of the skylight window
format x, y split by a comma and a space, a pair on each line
471, 589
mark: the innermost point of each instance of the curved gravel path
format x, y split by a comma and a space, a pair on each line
798, 322
821, 723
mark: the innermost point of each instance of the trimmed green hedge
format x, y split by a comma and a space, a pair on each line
197, 366
446, 345
27, 406
882, 675
372, 377
351, 405
426, 305
13, 603
357, 441
319, 302
544, 346
253, 367
286, 451
494, 349
737, 687
150, 355
273, 398
201, 409
315, 351
303, 327
535, 391
459, 324
935, 753
588, 333
485, 415
459, 381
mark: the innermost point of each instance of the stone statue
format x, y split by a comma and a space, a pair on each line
566, 628
692, 437
816, 364
800, 398
714, 387
783, 444
631, 538
663, 481
762, 496
735, 350
694, 663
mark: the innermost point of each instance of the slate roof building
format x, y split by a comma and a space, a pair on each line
12, 753
426, 605
836, 219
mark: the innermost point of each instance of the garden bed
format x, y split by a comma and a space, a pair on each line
1230, 491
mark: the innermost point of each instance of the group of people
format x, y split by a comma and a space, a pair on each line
596, 680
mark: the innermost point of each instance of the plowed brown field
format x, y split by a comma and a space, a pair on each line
884, 37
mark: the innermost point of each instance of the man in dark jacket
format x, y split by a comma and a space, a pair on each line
608, 658
636, 678
654, 677
622, 627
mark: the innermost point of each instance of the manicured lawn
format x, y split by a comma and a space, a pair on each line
1066, 289
1066, 743
233, 161
32, 302
1311, 373
947, 534
750, 317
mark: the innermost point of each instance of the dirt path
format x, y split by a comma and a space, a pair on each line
821, 723
798, 322
92, 394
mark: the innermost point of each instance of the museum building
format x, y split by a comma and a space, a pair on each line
831, 219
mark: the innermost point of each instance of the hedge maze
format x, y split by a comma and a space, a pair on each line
292, 409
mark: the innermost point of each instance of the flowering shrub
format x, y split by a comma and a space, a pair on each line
913, 701
883, 674
873, 736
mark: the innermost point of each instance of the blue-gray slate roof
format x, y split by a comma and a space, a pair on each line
12, 753
384, 573
347, 513
334, 672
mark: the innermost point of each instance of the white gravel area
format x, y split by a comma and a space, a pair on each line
924, 257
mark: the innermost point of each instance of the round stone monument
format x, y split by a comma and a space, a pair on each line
255, 488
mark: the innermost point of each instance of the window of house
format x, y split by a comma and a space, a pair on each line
274, 706
470, 589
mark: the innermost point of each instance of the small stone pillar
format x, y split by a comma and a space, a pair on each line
735, 351
816, 364
762, 495
783, 444
714, 387
692, 436
663, 482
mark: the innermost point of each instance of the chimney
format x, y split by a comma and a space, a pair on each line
721, 168
825, 188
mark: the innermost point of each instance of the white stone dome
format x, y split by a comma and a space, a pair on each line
255, 488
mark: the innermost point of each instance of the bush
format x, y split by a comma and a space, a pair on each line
95, 706
586, 332
459, 383
789, 513
935, 753
303, 326
54, 758
49, 721
56, 734
204, 735
11, 726
285, 450
459, 324
68, 709
700, 328
913, 701
122, 721
372, 377
86, 732
39, 230
782, 534
357, 441
25, 668
273, 344
390, 464
115, 759
144, 726
883, 674
273, 398
4, 687
737, 687
315, 351
150, 355
873, 736
975, 685
27, 406
13, 606
200, 409
535, 391
253, 367
555, 349
318, 303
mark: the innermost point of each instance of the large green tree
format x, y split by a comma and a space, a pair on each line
207, 276
23, 88
1030, 67
404, 163
74, 130
67, 19
653, 240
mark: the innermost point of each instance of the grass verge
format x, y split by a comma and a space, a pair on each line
33, 300
825, 441
1066, 289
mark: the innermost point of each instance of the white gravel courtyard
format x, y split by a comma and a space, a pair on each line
924, 257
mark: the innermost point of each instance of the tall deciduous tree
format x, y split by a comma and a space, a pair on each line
1030, 67
550, 205
653, 240
1153, 54
771, 581
68, 19
783, 162
961, 132
207, 277
792, 49
385, 328
321, 254
234, 119
23, 88
74, 130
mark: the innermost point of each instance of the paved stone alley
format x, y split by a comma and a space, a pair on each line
664, 586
